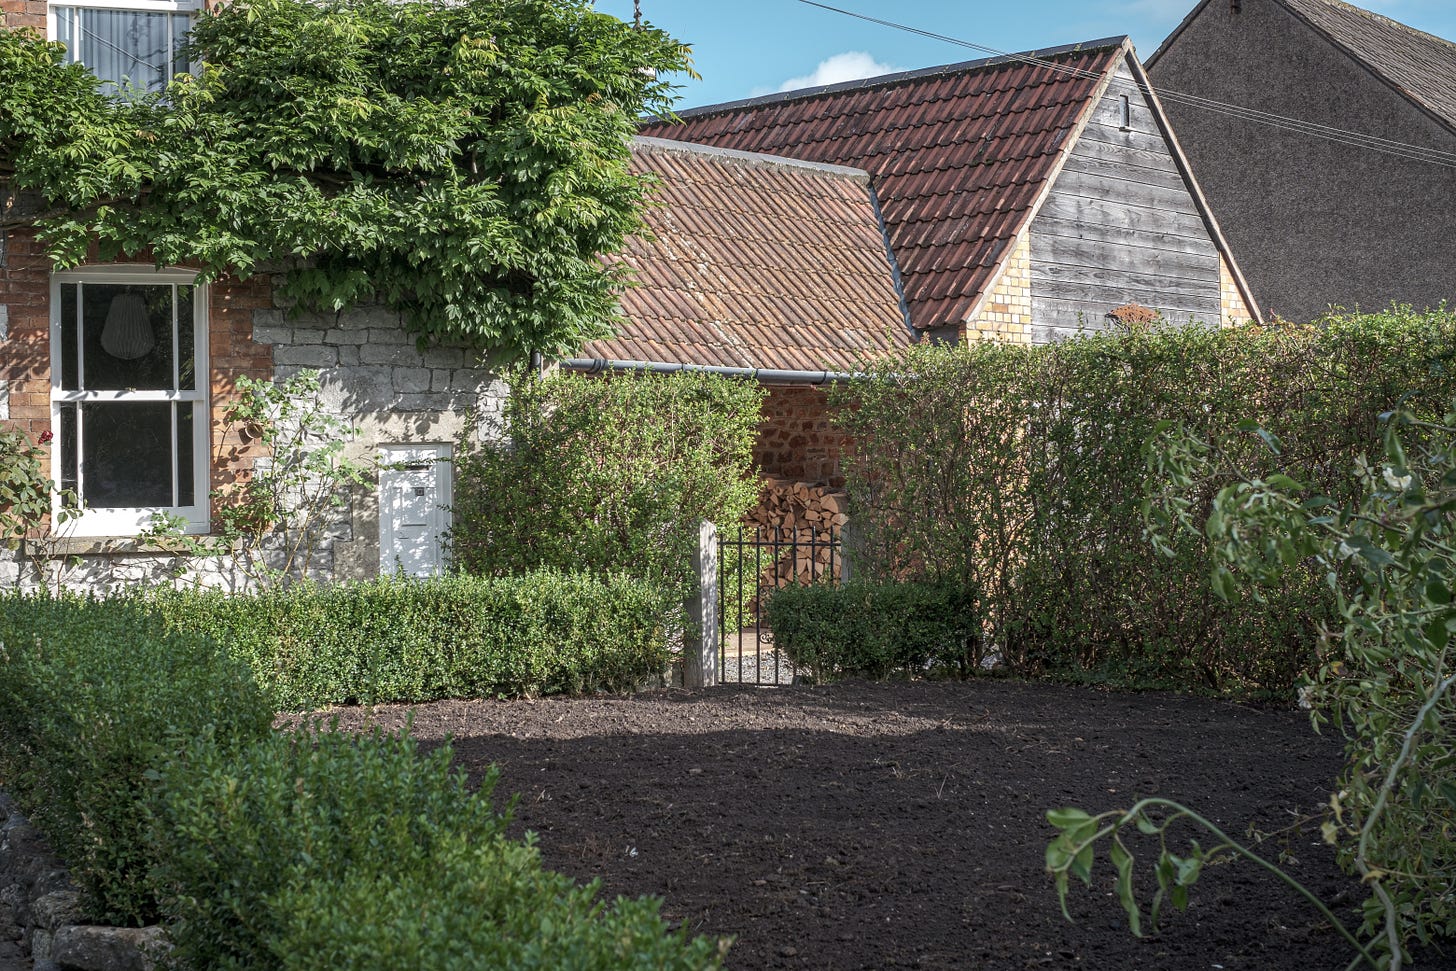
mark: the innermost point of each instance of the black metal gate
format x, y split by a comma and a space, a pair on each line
753, 562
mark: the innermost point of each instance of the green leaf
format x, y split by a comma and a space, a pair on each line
1122, 861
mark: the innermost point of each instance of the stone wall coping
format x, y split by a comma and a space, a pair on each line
52, 546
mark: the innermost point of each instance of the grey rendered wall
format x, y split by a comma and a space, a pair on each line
1120, 226
1311, 222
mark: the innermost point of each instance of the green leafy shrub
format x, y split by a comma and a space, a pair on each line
616, 472
94, 697
325, 850
875, 629
1019, 472
396, 639
1385, 677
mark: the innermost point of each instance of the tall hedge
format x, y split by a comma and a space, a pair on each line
1019, 472
607, 474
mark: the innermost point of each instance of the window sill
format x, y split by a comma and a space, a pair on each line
60, 546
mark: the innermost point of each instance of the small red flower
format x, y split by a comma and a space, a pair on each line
45, 438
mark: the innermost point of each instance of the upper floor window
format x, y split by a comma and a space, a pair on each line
135, 44
129, 396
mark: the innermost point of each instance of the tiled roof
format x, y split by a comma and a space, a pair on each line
959, 155
758, 263
1420, 65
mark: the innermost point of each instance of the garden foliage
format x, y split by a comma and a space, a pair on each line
1385, 677
874, 630
1018, 473
319, 850
396, 639
464, 163
607, 475
149, 760
94, 697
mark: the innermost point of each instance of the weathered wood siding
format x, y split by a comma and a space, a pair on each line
1120, 226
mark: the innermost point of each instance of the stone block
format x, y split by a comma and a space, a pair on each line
306, 355
411, 380
365, 389
438, 357
348, 356
4, 321
57, 908
309, 333
431, 403
109, 948
342, 336
399, 355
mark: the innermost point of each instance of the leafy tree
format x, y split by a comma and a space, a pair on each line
466, 163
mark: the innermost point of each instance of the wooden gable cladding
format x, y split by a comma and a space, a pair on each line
1121, 225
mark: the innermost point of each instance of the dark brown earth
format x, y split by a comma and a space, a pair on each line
902, 825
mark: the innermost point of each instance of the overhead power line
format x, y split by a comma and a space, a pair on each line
1355, 139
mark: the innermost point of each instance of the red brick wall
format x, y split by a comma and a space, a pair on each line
795, 438
25, 362
25, 356
23, 13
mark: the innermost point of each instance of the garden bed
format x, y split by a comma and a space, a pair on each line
902, 825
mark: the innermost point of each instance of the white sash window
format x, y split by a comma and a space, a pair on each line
129, 397
136, 44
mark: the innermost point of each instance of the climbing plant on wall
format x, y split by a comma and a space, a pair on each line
465, 163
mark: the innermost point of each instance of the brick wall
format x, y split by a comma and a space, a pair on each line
1005, 314
795, 438
1232, 308
23, 13
25, 362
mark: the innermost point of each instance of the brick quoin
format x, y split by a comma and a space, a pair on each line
796, 438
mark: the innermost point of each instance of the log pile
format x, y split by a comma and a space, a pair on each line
805, 517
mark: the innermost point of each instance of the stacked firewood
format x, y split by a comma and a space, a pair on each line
804, 517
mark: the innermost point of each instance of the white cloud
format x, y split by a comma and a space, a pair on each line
849, 66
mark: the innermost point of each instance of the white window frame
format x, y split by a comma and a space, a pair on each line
132, 521
138, 6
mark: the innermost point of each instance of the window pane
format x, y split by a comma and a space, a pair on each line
128, 337
63, 30
69, 361
186, 488
181, 23
67, 443
126, 47
127, 454
186, 342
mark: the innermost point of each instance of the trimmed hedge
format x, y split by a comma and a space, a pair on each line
395, 639
1022, 472
875, 629
95, 696
323, 850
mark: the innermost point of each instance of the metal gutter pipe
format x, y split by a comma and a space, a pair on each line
596, 365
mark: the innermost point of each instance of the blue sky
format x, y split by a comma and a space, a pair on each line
745, 48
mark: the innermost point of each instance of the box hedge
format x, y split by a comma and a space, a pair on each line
323, 850
94, 697
876, 629
405, 640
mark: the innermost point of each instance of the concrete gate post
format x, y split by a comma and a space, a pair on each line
700, 640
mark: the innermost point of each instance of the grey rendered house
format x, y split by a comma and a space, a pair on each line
1318, 221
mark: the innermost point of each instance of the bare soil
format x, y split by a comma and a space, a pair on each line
902, 825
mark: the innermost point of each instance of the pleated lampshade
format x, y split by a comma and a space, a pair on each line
127, 333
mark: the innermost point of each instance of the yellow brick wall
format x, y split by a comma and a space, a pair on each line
1006, 312
1232, 308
